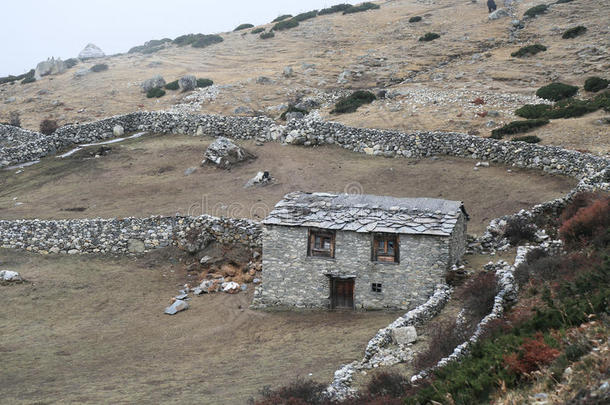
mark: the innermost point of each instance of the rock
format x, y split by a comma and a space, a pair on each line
295, 138
73, 251
404, 335
263, 80
482, 164
499, 13
190, 171
176, 307
153, 83
118, 130
135, 246
91, 51
295, 115
344, 77
205, 259
10, 276
10, 100
231, 287
307, 104
256, 281
224, 154
81, 72
261, 179
288, 71
51, 66
187, 83
243, 110
210, 286
181, 297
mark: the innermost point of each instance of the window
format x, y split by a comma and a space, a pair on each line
376, 287
385, 248
321, 243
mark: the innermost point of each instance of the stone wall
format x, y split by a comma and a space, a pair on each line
292, 278
127, 235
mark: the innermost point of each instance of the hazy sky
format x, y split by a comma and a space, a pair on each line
33, 30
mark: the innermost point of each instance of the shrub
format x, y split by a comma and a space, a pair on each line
536, 10
100, 67
305, 16
574, 32
361, 7
155, 93
478, 294
187, 39
151, 46
387, 383
204, 82
292, 108
28, 80
11, 79
430, 36
595, 84
517, 127
285, 25
282, 18
533, 354
528, 50
298, 392
578, 349
570, 109
588, 223
14, 119
207, 40
579, 200
337, 8
563, 1
172, 85
445, 336
243, 27
519, 229
527, 139
556, 91
70, 62
415, 19
267, 35
352, 102
48, 126
257, 30
602, 101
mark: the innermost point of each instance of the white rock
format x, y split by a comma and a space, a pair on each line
404, 335
91, 51
176, 307
499, 13
118, 130
9, 275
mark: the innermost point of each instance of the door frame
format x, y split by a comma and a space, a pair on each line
333, 295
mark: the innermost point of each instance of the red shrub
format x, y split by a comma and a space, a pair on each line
579, 201
533, 354
587, 223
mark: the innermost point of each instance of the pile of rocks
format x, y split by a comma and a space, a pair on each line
225, 154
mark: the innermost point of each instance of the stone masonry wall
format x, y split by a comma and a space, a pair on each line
457, 240
291, 278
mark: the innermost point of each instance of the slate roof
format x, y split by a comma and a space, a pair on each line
367, 213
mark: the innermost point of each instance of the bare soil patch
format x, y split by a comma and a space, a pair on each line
146, 176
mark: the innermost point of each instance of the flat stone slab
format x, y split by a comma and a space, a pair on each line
176, 307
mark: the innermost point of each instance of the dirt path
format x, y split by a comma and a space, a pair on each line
92, 330
146, 176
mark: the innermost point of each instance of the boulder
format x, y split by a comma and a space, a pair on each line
231, 287
224, 154
118, 130
51, 66
404, 335
209, 286
261, 179
295, 138
153, 83
295, 115
176, 307
91, 51
10, 276
499, 13
187, 83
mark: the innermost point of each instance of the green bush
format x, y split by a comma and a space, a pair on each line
352, 102
571, 108
204, 82
528, 50
151, 46
257, 30
556, 91
100, 67
207, 40
337, 8
563, 1
305, 16
574, 32
285, 25
187, 39
602, 101
292, 108
282, 18
527, 139
243, 27
531, 111
155, 93
267, 35
361, 7
430, 36
595, 84
28, 80
517, 127
536, 10
70, 62
172, 85
11, 79
415, 19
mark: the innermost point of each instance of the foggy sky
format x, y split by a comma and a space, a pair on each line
33, 30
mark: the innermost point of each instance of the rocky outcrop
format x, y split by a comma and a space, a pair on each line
48, 67
91, 51
154, 82
224, 154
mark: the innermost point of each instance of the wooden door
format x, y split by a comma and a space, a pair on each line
342, 293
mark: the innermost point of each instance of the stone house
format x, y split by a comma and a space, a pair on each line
358, 251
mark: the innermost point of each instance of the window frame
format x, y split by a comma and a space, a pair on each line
377, 288
312, 251
385, 258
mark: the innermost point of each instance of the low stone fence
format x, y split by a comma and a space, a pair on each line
126, 235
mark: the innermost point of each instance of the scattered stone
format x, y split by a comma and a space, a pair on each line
243, 110
182, 296
404, 335
295, 137
81, 72
224, 154
10, 276
499, 13
91, 51
344, 77
190, 171
231, 287
482, 164
307, 104
176, 307
155, 82
187, 83
10, 100
295, 115
288, 71
256, 281
263, 80
118, 130
261, 179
